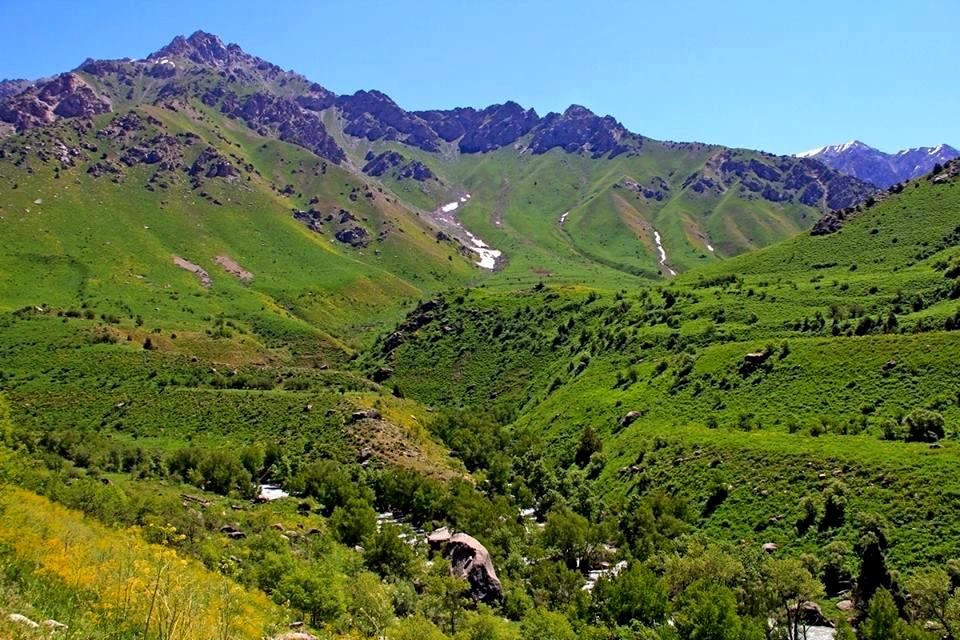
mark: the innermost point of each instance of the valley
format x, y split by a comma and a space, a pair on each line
281, 363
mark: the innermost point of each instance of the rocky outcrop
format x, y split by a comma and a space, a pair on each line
212, 165
469, 560
286, 119
65, 96
657, 188
10, 88
579, 130
378, 165
342, 224
161, 150
374, 116
778, 179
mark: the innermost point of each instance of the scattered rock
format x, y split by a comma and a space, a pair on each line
22, 619
53, 624
769, 547
846, 605
234, 269
195, 269
630, 418
364, 414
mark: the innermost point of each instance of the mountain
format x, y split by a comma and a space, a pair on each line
878, 168
629, 205
267, 351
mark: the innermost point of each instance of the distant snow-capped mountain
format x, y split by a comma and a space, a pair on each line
876, 167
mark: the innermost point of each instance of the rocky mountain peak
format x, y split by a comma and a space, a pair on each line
878, 168
202, 48
579, 129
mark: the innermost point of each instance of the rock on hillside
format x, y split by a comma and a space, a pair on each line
13, 87
779, 179
881, 169
382, 163
65, 96
469, 560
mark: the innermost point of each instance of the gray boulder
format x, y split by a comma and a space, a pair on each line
469, 560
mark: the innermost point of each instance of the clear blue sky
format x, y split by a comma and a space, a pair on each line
780, 76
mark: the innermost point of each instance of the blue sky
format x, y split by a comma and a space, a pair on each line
780, 76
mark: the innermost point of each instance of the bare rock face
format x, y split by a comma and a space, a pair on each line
212, 165
469, 560
65, 96
580, 130
378, 165
288, 120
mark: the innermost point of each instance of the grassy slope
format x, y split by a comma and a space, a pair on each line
110, 245
560, 363
608, 235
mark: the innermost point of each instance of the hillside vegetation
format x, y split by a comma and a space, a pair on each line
251, 356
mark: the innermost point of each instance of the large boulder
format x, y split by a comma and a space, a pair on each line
469, 560
811, 615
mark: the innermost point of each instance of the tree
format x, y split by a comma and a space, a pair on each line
252, 457
369, 605
933, 597
445, 597
566, 532
541, 624
415, 628
354, 521
790, 585
590, 443
834, 505
883, 621
314, 592
707, 611
873, 567
485, 625
636, 594
386, 554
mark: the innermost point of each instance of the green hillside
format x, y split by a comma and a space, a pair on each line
669, 408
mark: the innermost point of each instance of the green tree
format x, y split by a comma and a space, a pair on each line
933, 597
636, 594
369, 605
388, 555
590, 443
567, 533
707, 611
354, 521
445, 596
541, 624
925, 426
882, 621
314, 592
790, 584
485, 625
415, 628
252, 457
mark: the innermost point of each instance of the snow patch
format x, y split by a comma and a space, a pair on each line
663, 252
488, 256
